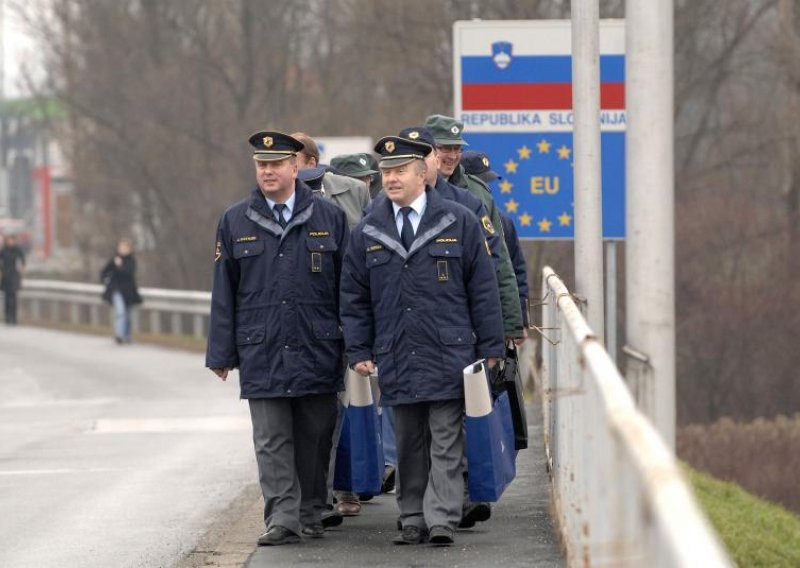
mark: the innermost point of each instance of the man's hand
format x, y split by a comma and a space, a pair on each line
364, 368
221, 373
523, 339
491, 362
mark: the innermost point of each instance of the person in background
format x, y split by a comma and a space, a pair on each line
355, 166
477, 164
351, 196
119, 277
12, 265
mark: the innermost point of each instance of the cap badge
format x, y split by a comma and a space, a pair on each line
389, 146
268, 141
413, 135
454, 130
485, 161
362, 161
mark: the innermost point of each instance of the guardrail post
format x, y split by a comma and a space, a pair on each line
36, 310
197, 326
155, 322
176, 325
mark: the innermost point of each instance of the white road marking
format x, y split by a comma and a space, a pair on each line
196, 424
57, 471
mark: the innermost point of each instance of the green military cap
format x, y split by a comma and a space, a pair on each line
446, 130
353, 165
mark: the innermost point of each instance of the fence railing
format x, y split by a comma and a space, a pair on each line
620, 497
164, 312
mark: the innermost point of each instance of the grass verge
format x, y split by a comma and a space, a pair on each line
755, 532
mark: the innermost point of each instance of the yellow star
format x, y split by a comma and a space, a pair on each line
543, 146
525, 219
524, 153
544, 226
564, 219
563, 153
511, 167
505, 186
511, 206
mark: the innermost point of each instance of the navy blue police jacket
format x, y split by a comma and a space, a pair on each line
275, 300
452, 193
422, 315
518, 260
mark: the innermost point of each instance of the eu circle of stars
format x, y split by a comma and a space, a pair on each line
536, 191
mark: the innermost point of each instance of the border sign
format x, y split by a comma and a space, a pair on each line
513, 91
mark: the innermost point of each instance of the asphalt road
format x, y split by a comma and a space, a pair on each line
112, 456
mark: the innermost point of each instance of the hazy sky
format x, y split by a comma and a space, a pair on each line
19, 49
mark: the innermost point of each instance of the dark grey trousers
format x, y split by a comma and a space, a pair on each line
292, 439
430, 449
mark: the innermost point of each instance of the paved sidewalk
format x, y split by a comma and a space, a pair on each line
520, 532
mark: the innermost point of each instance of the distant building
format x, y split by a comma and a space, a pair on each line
35, 180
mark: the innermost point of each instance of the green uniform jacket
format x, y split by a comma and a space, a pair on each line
506, 279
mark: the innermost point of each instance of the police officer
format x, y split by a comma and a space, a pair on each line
274, 315
12, 264
447, 133
477, 164
420, 301
352, 197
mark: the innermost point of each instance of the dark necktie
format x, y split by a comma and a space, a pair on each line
278, 208
407, 234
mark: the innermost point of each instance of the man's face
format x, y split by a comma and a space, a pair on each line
306, 161
449, 156
403, 184
432, 161
276, 177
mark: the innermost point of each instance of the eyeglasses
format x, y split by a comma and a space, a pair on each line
449, 149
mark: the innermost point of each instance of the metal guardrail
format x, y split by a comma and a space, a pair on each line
171, 312
620, 497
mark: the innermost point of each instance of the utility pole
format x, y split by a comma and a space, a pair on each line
650, 213
586, 144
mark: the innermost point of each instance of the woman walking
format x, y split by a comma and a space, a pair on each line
119, 276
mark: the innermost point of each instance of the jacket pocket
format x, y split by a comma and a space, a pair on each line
250, 335
330, 330
244, 250
457, 336
445, 250
378, 258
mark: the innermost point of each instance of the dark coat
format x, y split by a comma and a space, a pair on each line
518, 260
421, 315
275, 300
11, 258
121, 279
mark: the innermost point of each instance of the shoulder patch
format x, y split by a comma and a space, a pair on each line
218, 252
246, 239
487, 224
447, 240
373, 248
319, 234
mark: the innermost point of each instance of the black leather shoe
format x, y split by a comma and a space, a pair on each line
441, 535
314, 531
331, 519
411, 535
388, 479
474, 513
276, 536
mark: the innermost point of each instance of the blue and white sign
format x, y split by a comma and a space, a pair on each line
513, 91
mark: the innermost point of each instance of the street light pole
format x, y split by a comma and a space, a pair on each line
586, 144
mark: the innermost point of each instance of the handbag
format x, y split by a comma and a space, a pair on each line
507, 378
490, 452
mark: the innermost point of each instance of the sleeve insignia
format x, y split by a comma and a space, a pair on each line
487, 224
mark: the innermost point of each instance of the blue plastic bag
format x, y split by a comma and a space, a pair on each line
359, 454
491, 457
